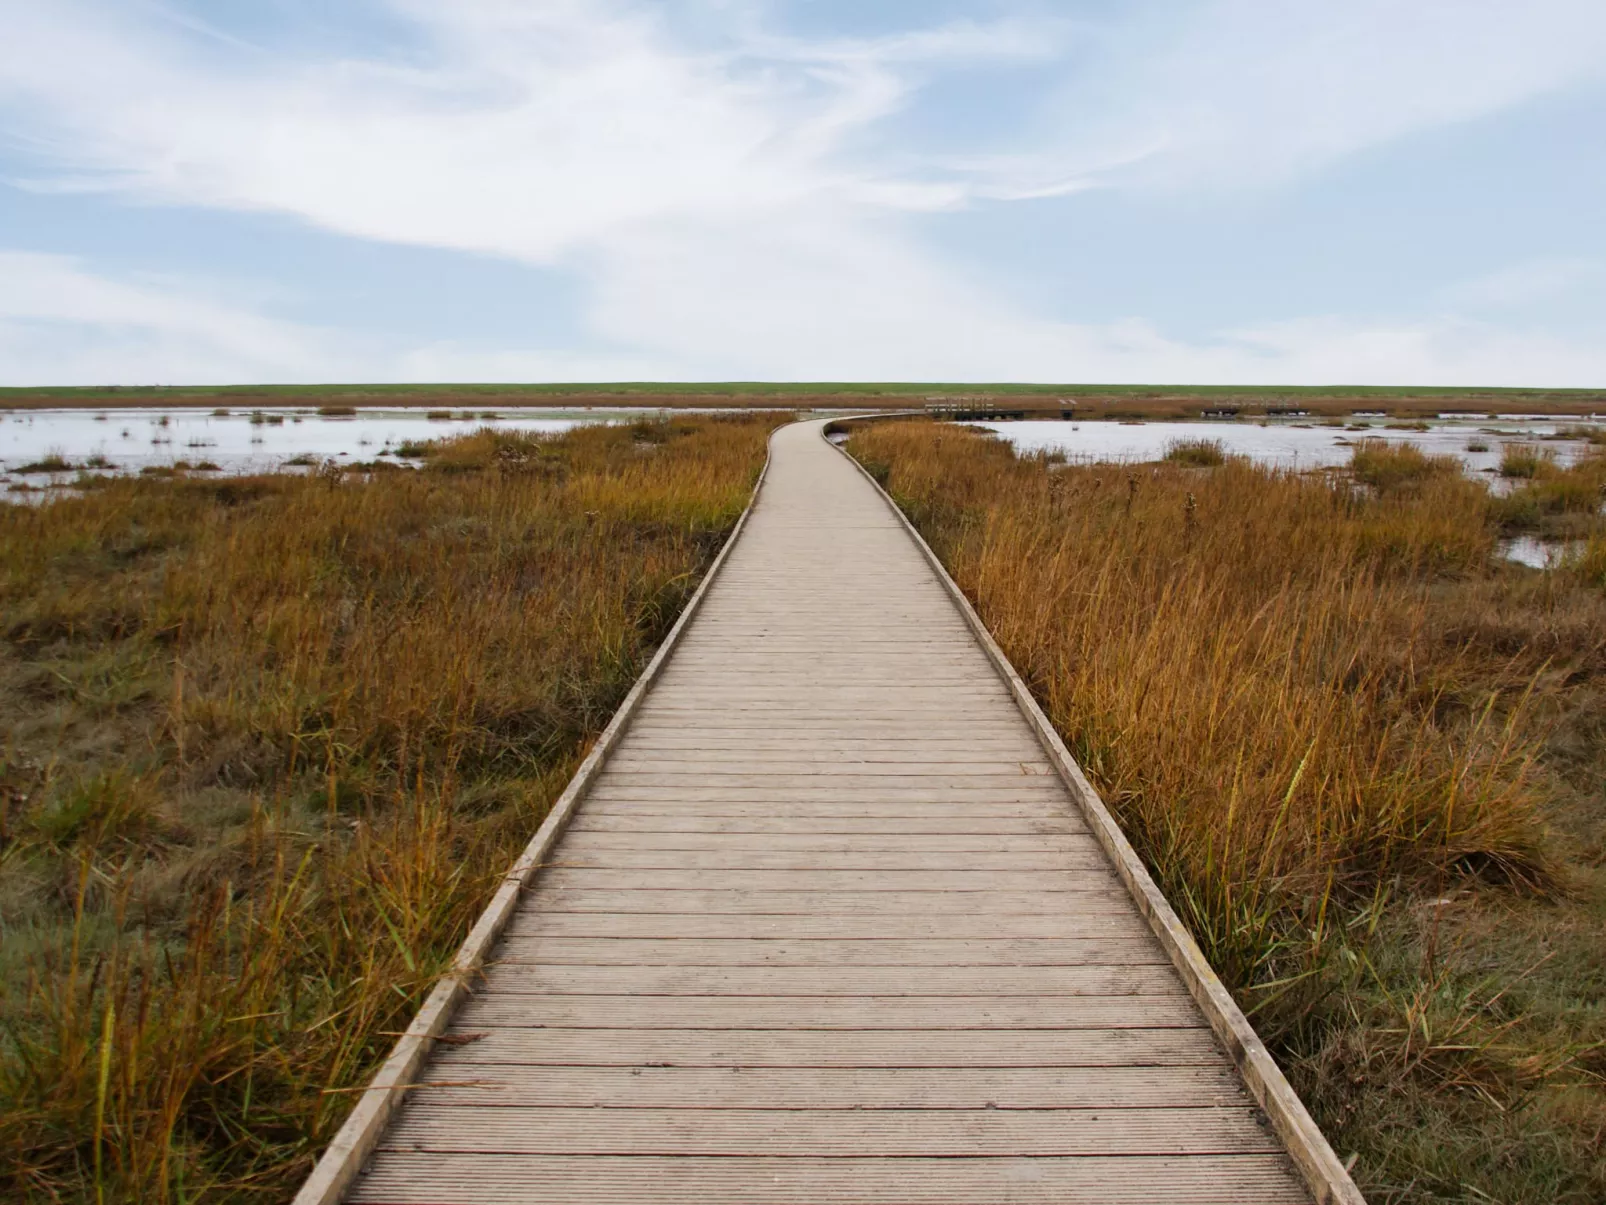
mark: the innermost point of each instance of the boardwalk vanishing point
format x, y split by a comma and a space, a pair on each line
829, 919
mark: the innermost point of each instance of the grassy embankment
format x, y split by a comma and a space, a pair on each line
1091, 401
268, 744
1364, 756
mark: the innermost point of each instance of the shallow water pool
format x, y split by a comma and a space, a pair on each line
243, 441
1284, 445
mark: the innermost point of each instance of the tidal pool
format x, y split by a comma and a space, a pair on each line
1287, 445
243, 441
1540, 554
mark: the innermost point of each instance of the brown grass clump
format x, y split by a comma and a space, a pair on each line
1313, 701
269, 744
1196, 453
1552, 501
1393, 467
1525, 460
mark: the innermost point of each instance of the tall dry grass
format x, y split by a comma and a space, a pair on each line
1311, 700
269, 743
1238, 658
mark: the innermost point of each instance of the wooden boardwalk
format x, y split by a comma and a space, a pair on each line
828, 928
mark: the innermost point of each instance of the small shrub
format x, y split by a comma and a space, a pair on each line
338, 411
98, 813
1588, 434
1389, 467
53, 463
1525, 461
1196, 453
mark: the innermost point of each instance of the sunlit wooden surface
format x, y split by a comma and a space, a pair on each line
828, 929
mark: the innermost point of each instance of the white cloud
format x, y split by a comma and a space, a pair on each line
727, 198
1524, 284
530, 131
1238, 94
61, 323
865, 311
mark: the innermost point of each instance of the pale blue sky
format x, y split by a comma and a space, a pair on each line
1253, 191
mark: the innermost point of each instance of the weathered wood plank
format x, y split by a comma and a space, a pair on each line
864, 926
1167, 1047
824, 880
840, 1087
831, 952
424, 1178
877, 981
1099, 893
963, 827
592, 842
1048, 860
555, 1130
508, 1010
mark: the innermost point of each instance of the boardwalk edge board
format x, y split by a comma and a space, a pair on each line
343, 1159
1324, 1174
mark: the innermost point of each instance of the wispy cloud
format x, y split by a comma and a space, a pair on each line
61, 323
1527, 283
729, 194
1245, 94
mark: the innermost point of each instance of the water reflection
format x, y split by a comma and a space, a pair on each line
241, 441
1478, 445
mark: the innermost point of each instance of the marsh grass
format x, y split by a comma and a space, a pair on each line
269, 743
1328, 717
1398, 467
1196, 453
1525, 461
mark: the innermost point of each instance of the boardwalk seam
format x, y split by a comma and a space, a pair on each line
1319, 1166
343, 1159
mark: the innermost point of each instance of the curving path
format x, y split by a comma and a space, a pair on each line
828, 929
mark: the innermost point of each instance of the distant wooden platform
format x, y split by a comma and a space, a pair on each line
829, 928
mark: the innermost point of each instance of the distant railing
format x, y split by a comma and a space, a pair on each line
989, 410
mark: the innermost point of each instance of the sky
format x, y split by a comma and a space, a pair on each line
1140, 191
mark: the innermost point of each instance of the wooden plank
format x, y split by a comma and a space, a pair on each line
822, 880
1034, 981
827, 859
895, 1134
425, 1178
839, 1087
1044, 809
869, 927
966, 826
766, 768
1168, 1047
832, 952
498, 1009
590, 842
808, 789
1101, 893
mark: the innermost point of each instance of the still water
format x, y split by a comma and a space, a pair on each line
1285, 445
243, 441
